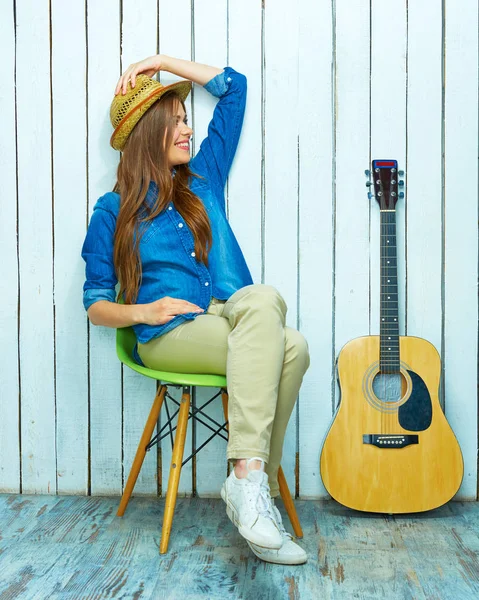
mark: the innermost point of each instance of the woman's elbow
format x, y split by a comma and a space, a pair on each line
93, 316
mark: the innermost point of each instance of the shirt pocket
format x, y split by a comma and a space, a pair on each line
150, 230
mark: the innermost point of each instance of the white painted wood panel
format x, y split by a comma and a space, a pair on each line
388, 134
70, 196
330, 86
9, 395
460, 237
316, 121
281, 37
106, 401
138, 391
37, 350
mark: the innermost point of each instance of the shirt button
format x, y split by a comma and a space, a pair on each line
228, 79
170, 208
180, 224
206, 283
193, 254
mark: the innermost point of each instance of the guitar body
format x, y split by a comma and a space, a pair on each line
414, 462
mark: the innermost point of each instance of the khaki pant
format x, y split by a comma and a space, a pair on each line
244, 338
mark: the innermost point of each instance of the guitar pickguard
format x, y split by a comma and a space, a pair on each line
416, 413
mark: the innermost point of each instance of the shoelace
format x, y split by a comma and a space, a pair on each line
279, 522
274, 512
260, 498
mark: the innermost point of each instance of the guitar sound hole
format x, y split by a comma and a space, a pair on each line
388, 387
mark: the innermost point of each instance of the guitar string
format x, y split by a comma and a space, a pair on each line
382, 268
381, 374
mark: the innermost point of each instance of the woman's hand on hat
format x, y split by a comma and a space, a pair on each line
164, 310
149, 66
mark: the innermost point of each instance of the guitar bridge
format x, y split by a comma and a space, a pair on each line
390, 440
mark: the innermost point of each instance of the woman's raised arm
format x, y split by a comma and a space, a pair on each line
186, 69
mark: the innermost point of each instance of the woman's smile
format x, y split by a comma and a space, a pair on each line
183, 145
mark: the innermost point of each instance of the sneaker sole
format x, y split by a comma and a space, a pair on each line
246, 532
278, 561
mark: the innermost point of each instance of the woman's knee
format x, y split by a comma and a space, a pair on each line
263, 295
296, 347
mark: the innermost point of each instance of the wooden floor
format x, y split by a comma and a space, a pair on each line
75, 547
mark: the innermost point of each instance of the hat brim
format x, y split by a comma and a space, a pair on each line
126, 125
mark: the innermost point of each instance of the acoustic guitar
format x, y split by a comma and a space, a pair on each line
390, 448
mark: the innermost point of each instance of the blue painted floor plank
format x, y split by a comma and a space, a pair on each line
76, 548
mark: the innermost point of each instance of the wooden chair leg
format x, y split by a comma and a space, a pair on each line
141, 451
283, 486
289, 504
224, 400
175, 469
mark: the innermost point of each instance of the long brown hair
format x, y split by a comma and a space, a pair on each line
144, 159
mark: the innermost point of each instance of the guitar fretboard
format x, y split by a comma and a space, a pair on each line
389, 361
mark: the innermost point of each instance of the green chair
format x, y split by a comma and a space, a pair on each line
125, 342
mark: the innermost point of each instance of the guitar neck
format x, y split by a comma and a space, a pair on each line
389, 359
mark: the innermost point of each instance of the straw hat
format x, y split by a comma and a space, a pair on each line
127, 110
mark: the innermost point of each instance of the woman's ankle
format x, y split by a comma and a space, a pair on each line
242, 468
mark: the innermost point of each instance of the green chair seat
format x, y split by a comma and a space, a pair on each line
125, 342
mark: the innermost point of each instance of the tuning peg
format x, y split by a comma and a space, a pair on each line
401, 173
401, 194
400, 183
370, 195
367, 172
368, 184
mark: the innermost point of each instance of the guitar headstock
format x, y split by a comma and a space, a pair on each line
385, 179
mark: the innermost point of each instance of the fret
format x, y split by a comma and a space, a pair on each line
390, 361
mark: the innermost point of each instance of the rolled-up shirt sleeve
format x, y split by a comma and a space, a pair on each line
97, 252
218, 148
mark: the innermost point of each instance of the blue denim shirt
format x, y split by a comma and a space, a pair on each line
167, 252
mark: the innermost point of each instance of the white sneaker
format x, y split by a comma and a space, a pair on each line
289, 553
248, 505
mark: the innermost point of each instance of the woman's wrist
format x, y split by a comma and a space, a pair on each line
163, 63
137, 313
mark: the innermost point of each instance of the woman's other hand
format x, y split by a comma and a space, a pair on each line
163, 310
149, 66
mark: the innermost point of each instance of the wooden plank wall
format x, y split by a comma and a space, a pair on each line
331, 85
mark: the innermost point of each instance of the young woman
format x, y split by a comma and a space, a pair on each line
163, 234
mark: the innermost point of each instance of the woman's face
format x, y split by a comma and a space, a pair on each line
179, 151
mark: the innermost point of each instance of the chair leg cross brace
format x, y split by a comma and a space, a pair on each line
193, 414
